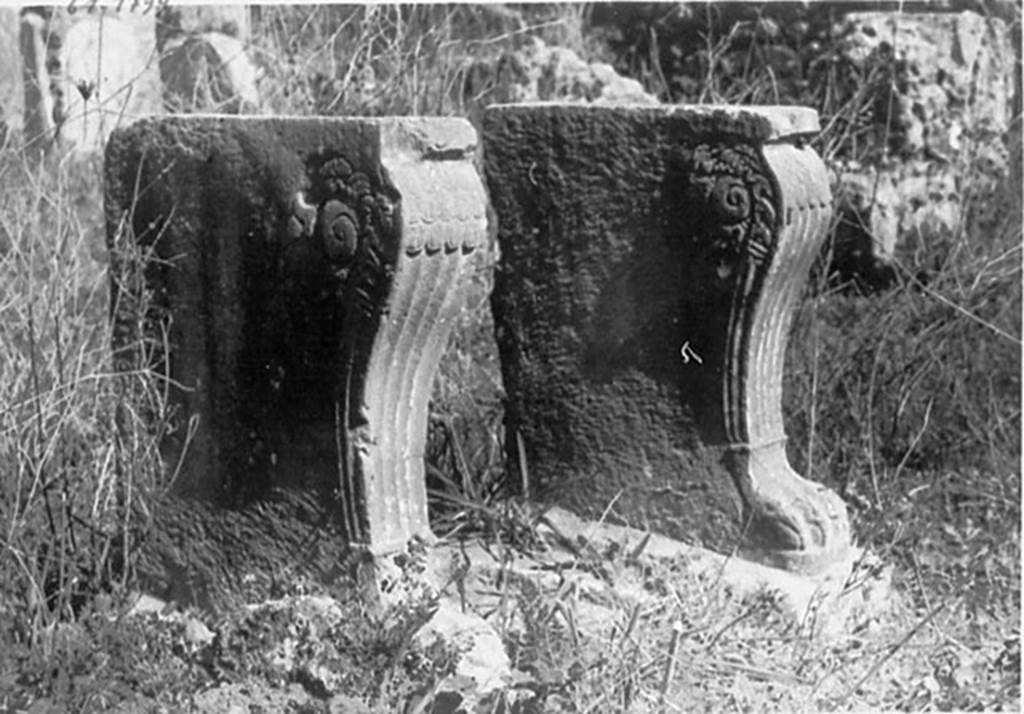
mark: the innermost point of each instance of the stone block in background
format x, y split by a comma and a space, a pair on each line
305, 275
85, 75
204, 60
868, 208
651, 262
949, 110
208, 72
887, 213
954, 82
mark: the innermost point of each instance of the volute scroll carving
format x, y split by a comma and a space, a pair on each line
737, 201
794, 523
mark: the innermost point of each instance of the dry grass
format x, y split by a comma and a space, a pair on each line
906, 401
379, 60
75, 453
692, 647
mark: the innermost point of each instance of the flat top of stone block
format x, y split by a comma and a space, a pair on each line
765, 122
431, 137
385, 120
410, 120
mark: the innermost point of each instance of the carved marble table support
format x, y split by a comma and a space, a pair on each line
651, 262
306, 274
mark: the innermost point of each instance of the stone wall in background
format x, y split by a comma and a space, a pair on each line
945, 111
208, 72
952, 79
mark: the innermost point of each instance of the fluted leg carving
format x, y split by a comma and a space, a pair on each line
442, 234
793, 523
651, 264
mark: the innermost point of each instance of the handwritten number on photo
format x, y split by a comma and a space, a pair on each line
687, 353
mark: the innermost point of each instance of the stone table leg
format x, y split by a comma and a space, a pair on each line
651, 262
794, 523
303, 278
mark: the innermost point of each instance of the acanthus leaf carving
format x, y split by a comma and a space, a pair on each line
733, 201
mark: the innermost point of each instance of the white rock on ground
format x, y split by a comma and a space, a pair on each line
482, 657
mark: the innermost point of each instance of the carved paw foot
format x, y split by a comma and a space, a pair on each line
792, 523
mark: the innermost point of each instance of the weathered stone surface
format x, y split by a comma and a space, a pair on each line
921, 81
208, 72
305, 277
86, 74
651, 259
107, 77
